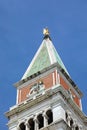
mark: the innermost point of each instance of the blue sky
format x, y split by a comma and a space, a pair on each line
21, 24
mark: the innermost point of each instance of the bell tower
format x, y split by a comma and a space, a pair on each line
47, 97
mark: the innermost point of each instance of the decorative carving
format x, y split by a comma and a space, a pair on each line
36, 88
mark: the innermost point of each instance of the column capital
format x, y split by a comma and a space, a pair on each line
36, 122
44, 115
35, 118
27, 124
74, 123
69, 115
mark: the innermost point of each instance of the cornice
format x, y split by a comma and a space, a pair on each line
48, 93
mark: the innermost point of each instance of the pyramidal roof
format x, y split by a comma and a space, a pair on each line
45, 56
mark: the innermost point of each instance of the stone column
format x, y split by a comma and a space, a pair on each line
27, 127
69, 118
36, 123
45, 119
74, 124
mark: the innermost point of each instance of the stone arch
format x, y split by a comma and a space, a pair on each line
31, 124
49, 114
40, 121
71, 122
66, 116
22, 126
76, 128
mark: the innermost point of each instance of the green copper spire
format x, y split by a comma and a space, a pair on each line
45, 56
41, 61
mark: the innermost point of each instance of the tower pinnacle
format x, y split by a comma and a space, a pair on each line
45, 31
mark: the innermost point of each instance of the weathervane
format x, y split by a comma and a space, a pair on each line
45, 31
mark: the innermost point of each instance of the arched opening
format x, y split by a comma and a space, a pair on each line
22, 126
50, 116
71, 123
31, 124
66, 116
76, 128
40, 120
